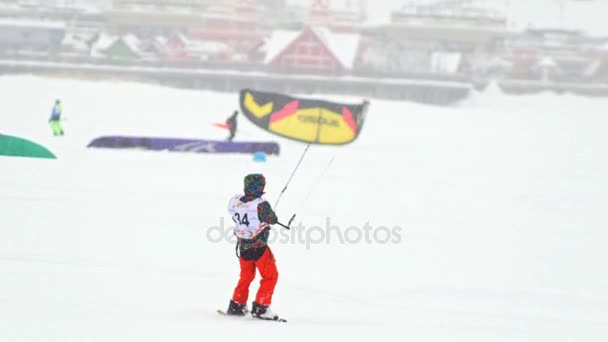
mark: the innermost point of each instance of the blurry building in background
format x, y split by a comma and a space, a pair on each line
80, 14
237, 24
547, 55
152, 17
442, 37
338, 16
232, 23
597, 71
61, 5
450, 40
31, 37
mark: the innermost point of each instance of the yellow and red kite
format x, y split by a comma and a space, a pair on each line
307, 120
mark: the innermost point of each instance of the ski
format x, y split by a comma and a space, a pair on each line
274, 319
223, 313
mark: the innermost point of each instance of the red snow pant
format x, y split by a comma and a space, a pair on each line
268, 270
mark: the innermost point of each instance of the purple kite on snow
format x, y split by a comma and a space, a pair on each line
184, 145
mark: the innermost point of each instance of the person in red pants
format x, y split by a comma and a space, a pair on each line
253, 216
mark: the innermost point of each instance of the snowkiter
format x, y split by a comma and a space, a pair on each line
231, 122
55, 119
253, 216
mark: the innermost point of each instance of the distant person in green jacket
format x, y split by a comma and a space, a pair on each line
55, 119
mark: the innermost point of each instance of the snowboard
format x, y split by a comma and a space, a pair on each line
276, 319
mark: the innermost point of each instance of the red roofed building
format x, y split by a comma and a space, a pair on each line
315, 50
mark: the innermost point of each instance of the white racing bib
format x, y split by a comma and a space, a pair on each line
245, 216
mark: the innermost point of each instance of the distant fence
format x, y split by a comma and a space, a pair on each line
524, 87
427, 91
418, 90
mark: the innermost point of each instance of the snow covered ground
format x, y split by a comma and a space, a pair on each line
496, 210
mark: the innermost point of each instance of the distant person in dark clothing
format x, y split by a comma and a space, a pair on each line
231, 122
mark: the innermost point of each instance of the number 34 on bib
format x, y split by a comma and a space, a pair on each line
245, 216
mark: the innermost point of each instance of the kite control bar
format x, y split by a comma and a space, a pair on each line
288, 224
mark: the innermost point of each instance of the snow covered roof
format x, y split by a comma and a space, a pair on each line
499, 62
183, 38
76, 42
547, 62
132, 42
103, 42
344, 46
202, 46
277, 42
160, 40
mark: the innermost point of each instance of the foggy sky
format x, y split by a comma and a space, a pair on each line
588, 15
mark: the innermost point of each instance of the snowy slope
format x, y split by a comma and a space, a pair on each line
500, 201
